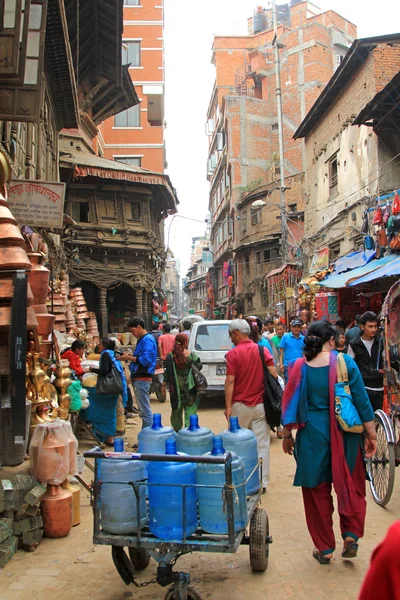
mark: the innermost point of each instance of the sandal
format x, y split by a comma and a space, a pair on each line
350, 550
321, 558
109, 441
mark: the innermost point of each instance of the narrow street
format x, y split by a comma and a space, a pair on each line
73, 568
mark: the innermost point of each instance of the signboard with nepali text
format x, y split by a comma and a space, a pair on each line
37, 203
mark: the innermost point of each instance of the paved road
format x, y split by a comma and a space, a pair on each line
73, 568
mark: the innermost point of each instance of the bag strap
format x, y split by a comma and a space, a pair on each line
261, 353
343, 375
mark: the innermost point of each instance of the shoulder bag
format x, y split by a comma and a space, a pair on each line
110, 384
199, 378
346, 413
272, 395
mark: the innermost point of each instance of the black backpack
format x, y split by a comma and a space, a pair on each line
272, 395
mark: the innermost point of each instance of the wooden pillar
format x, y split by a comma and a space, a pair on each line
139, 303
145, 308
103, 312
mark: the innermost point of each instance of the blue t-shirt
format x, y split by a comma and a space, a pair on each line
146, 353
292, 348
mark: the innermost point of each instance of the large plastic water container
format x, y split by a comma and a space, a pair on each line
212, 509
118, 504
167, 520
194, 440
151, 440
243, 442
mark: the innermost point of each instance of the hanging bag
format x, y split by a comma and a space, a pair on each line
345, 411
272, 395
378, 216
200, 380
396, 205
110, 384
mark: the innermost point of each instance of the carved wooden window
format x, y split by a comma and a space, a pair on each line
106, 207
22, 40
79, 211
134, 212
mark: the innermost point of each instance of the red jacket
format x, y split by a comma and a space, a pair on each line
383, 578
74, 361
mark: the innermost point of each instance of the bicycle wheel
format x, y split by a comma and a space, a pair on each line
381, 467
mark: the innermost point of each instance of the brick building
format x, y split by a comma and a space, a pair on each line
136, 136
242, 124
351, 140
195, 284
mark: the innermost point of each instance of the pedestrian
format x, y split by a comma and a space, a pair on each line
276, 339
142, 367
367, 350
244, 389
383, 577
166, 341
341, 343
291, 346
354, 331
186, 327
102, 410
341, 325
175, 330
178, 375
74, 355
268, 330
324, 454
256, 337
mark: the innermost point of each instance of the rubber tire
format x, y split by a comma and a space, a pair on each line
382, 497
192, 594
139, 558
258, 545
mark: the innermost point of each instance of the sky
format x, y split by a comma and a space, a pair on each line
189, 74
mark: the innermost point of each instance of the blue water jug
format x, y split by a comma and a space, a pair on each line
151, 440
243, 442
212, 509
167, 518
194, 440
118, 504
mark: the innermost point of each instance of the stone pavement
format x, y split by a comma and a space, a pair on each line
73, 568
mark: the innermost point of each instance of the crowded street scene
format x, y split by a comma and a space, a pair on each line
200, 300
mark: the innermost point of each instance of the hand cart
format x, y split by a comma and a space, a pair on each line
381, 467
143, 544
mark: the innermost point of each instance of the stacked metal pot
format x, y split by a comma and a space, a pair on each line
81, 310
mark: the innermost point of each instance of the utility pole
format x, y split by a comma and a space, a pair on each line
282, 203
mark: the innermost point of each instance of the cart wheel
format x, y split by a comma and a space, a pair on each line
191, 594
161, 392
123, 564
258, 544
139, 558
381, 467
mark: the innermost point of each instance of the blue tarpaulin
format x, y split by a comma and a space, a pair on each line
353, 260
352, 277
389, 270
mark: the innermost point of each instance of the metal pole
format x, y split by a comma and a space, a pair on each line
280, 135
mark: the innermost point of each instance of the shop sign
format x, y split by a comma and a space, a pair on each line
320, 260
37, 203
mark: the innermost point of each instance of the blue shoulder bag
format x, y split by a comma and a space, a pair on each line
346, 413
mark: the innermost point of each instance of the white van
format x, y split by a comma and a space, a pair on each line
210, 340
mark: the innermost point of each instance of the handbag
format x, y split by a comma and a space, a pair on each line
346, 413
199, 378
272, 395
395, 242
110, 384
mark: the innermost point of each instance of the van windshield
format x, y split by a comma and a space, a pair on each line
213, 337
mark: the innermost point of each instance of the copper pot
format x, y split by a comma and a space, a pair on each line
57, 310
38, 278
45, 323
61, 318
56, 301
6, 215
84, 315
40, 309
56, 507
80, 303
45, 349
5, 317
10, 235
7, 290
14, 257
76, 291
60, 327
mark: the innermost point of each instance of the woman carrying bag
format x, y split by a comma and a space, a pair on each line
324, 452
111, 383
179, 377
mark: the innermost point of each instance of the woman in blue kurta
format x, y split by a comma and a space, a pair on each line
101, 412
324, 454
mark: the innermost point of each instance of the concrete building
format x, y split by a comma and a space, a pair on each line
172, 285
136, 136
352, 141
196, 283
242, 124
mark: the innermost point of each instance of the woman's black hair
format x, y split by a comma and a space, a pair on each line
77, 345
318, 333
108, 343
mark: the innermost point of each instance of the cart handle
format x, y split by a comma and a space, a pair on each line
214, 460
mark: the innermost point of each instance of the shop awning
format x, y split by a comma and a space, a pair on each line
351, 278
389, 270
353, 261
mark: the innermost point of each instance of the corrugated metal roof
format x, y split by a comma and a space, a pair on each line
351, 278
77, 157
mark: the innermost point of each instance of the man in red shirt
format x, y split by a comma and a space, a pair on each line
166, 341
244, 388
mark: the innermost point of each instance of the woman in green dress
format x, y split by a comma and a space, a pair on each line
178, 375
324, 454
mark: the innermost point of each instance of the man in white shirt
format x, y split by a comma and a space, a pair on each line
367, 349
